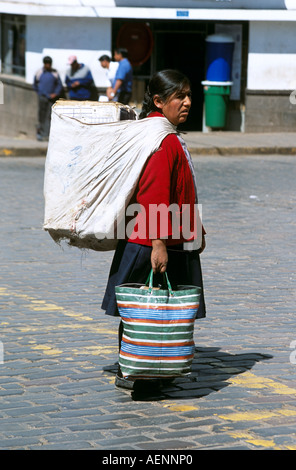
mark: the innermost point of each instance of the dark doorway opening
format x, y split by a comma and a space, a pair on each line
178, 45
186, 53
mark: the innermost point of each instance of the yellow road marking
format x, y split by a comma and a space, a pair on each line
181, 407
249, 437
6, 152
81, 322
95, 350
249, 380
256, 415
47, 308
246, 380
48, 350
41, 305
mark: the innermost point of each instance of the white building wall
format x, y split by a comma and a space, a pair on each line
60, 37
235, 4
272, 56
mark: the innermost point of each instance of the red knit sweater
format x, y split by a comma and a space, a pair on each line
166, 179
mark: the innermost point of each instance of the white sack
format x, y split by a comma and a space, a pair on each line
91, 172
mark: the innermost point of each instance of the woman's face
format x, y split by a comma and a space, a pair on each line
176, 108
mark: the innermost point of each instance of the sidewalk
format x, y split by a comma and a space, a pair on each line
199, 143
238, 143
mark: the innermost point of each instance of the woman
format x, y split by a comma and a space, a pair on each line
167, 179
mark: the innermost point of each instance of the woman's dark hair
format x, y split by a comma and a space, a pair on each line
164, 84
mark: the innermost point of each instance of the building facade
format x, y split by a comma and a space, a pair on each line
166, 36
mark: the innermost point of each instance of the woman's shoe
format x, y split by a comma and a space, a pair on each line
121, 382
113, 368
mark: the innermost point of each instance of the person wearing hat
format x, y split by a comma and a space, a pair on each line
48, 85
79, 80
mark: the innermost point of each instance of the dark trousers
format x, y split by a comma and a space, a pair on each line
44, 116
123, 97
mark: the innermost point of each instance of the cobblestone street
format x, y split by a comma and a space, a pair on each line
56, 340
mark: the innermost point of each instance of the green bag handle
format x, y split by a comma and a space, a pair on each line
165, 276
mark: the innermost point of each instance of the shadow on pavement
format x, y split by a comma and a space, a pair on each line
211, 368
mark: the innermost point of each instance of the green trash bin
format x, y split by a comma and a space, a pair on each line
216, 103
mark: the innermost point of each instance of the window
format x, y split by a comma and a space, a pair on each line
13, 44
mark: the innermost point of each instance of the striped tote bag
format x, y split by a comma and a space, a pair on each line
158, 327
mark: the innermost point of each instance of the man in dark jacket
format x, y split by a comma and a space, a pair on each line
79, 80
48, 85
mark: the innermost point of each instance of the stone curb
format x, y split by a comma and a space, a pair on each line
41, 151
243, 151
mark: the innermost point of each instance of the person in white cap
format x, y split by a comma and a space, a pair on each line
79, 80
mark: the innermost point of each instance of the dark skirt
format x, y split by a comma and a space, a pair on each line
132, 263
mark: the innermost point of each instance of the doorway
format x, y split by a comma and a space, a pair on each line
184, 51
176, 45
